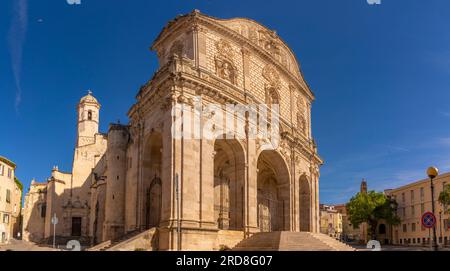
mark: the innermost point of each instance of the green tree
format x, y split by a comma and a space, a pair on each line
371, 207
444, 198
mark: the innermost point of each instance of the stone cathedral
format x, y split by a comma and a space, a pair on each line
218, 191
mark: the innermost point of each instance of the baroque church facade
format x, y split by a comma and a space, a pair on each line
197, 193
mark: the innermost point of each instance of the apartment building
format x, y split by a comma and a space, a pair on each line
414, 200
10, 201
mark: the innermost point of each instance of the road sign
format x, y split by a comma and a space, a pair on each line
54, 220
428, 220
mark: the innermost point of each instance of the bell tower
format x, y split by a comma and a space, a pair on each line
363, 186
88, 119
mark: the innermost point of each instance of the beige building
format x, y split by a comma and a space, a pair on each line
218, 190
413, 200
10, 201
350, 232
330, 221
34, 212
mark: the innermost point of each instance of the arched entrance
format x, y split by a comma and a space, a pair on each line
273, 192
152, 163
229, 175
305, 204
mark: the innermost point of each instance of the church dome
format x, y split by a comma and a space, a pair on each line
89, 98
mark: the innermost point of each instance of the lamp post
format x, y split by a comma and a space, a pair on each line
432, 172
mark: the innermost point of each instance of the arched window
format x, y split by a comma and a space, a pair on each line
89, 115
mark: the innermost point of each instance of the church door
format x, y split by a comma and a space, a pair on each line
76, 226
154, 200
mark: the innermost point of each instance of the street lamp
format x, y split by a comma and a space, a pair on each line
432, 172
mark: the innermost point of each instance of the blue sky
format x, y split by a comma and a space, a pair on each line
380, 73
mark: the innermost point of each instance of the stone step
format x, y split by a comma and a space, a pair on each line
291, 241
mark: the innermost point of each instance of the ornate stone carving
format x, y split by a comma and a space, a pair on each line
226, 70
300, 103
269, 41
301, 123
272, 96
301, 115
182, 99
253, 35
224, 49
270, 73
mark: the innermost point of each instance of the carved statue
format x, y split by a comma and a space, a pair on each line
225, 70
270, 74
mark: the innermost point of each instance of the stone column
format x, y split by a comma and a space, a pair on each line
251, 189
206, 161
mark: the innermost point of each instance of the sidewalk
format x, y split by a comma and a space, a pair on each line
20, 245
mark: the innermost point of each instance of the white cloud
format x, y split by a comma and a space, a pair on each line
16, 39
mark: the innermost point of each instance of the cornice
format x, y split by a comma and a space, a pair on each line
196, 18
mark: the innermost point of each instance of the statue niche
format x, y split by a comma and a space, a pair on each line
301, 115
225, 70
301, 123
225, 67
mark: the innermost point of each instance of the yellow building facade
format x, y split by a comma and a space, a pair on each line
10, 198
414, 200
330, 221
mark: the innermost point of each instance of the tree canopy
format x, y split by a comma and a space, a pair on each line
444, 197
371, 207
19, 183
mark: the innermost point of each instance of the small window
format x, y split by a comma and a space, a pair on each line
9, 173
405, 228
43, 210
6, 219
8, 196
89, 115
413, 227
